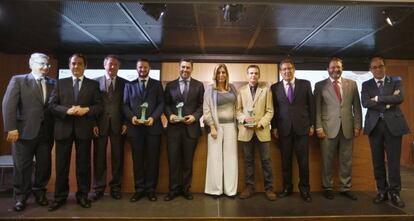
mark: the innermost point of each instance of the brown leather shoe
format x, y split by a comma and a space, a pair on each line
270, 195
247, 192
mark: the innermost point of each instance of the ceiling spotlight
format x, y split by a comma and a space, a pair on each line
155, 10
388, 18
233, 12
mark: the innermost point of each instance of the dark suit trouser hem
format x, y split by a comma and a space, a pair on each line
381, 142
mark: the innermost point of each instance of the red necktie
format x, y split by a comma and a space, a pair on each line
337, 90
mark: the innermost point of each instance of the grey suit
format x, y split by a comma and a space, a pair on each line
25, 111
338, 120
110, 122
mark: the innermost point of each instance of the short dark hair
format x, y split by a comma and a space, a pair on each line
376, 57
113, 57
253, 66
79, 55
187, 60
143, 60
286, 61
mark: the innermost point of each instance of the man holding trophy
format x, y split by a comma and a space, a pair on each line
143, 106
183, 108
254, 112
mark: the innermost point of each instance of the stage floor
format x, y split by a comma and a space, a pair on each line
205, 207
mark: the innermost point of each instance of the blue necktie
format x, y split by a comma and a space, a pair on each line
290, 93
76, 89
142, 86
381, 89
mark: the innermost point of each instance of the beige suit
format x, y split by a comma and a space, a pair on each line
338, 120
262, 111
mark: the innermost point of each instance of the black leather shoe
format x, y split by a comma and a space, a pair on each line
187, 195
328, 194
284, 193
116, 195
83, 202
380, 198
97, 196
151, 196
349, 195
19, 206
306, 197
170, 196
42, 200
397, 201
56, 205
137, 196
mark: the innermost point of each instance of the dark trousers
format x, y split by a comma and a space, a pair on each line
300, 145
264, 150
145, 150
381, 142
83, 167
23, 152
100, 164
180, 149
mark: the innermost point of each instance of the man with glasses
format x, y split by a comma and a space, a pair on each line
29, 126
385, 125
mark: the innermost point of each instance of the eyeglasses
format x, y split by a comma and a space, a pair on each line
378, 67
43, 64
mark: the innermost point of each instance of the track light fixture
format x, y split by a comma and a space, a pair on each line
155, 10
233, 12
388, 18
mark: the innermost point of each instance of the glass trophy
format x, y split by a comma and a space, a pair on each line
249, 120
144, 107
179, 117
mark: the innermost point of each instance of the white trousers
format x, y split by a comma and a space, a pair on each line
222, 164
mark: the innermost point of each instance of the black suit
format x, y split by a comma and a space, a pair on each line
182, 138
145, 140
385, 128
69, 129
24, 110
110, 123
293, 121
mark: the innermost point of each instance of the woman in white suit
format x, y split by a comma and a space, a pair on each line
219, 104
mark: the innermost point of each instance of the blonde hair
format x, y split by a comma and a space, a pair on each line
215, 73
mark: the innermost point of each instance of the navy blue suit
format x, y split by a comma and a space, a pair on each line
385, 128
145, 140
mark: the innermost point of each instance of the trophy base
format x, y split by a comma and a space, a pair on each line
143, 121
250, 124
179, 119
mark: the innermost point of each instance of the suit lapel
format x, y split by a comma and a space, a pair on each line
281, 91
31, 83
176, 90
387, 86
330, 89
345, 89
102, 84
49, 88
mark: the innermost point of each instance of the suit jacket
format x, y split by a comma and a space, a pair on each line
112, 109
134, 98
393, 117
62, 99
262, 107
193, 105
332, 114
297, 116
23, 107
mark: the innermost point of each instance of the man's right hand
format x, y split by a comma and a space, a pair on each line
12, 136
320, 133
275, 133
135, 120
172, 118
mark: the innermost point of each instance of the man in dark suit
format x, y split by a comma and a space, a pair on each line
182, 134
143, 106
338, 119
76, 103
29, 126
385, 125
110, 125
292, 125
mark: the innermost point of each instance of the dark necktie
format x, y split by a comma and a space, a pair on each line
110, 90
76, 89
380, 86
290, 92
185, 91
39, 83
337, 90
142, 86
253, 91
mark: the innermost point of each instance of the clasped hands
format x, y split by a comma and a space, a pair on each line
77, 111
188, 119
148, 122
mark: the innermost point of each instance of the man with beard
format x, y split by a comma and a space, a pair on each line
186, 94
143, 106
338, 121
